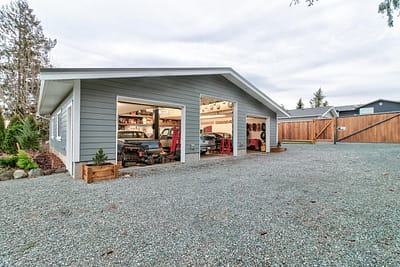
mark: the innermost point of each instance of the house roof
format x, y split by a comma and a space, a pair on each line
347, 108
378, 100
56, 83
311, 112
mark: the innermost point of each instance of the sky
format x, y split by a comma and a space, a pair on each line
289, 52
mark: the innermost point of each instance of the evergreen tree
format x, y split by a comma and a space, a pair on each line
28, 134
317, 100
10, 138
300, 104
2, 129
23, 51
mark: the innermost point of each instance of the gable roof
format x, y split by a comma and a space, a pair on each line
64, 78
378, 100
311, 112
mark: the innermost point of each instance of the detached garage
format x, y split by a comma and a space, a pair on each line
190, 113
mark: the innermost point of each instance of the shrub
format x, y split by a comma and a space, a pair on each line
10, 140
99, 158
11, 161
2, 128
28, 134
25, 162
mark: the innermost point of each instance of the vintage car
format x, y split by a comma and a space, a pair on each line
135, 146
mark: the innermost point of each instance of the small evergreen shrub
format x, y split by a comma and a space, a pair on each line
10, 137
28, 134
25, 162
10, 161
99, 158
2, 128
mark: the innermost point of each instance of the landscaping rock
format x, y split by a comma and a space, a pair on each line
60, 170
7, 175
48, 172
18, 174
35, 173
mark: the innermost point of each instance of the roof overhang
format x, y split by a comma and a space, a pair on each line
333, 111
52, 92
57, 83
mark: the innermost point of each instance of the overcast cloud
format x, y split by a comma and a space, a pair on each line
344, 47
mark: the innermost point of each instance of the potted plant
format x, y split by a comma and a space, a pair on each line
278, 148
99, 169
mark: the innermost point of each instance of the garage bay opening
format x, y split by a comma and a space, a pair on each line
148, 134
216, 116
256, 134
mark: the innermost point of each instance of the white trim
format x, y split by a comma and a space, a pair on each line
268, 134
58, 126
69, 139
183, 134
52, 125
235, 122
155, 103
335, 114
76, 120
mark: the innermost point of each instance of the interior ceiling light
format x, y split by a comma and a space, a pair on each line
212, 116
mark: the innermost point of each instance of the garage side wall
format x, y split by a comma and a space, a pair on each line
58, 145
99, 97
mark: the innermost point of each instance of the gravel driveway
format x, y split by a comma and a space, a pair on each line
318, 204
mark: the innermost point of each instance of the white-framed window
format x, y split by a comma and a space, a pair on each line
58, 125
365, 111
52, 126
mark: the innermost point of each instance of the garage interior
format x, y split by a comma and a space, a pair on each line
216, 117
147, 134
256, 134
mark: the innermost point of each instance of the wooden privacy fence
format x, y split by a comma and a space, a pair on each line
374, 128
319, 130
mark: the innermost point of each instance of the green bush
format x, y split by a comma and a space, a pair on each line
25, 162
10, 137
28, 134
10, 161
2, 128
100, 158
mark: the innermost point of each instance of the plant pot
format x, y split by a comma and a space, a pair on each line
278, 149
91, 173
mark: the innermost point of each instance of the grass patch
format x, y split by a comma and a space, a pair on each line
28, 245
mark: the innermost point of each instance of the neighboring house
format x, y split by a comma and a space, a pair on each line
307, 114
377, 106
85, 107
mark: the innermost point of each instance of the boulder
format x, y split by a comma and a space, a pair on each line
18, 174
6, 175
35, 173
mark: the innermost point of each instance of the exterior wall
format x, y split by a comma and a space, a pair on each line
385, 107
58, 146
99, 97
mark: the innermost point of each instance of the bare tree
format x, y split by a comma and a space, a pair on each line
24, 50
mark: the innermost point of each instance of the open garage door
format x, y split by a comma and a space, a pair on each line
148, 133
257, 129
216, 127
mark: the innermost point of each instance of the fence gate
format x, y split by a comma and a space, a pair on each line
376, 128
318, 130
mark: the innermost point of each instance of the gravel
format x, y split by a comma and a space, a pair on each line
324, 204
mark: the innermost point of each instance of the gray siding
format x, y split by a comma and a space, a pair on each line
98, 107
60, 145
385, 107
